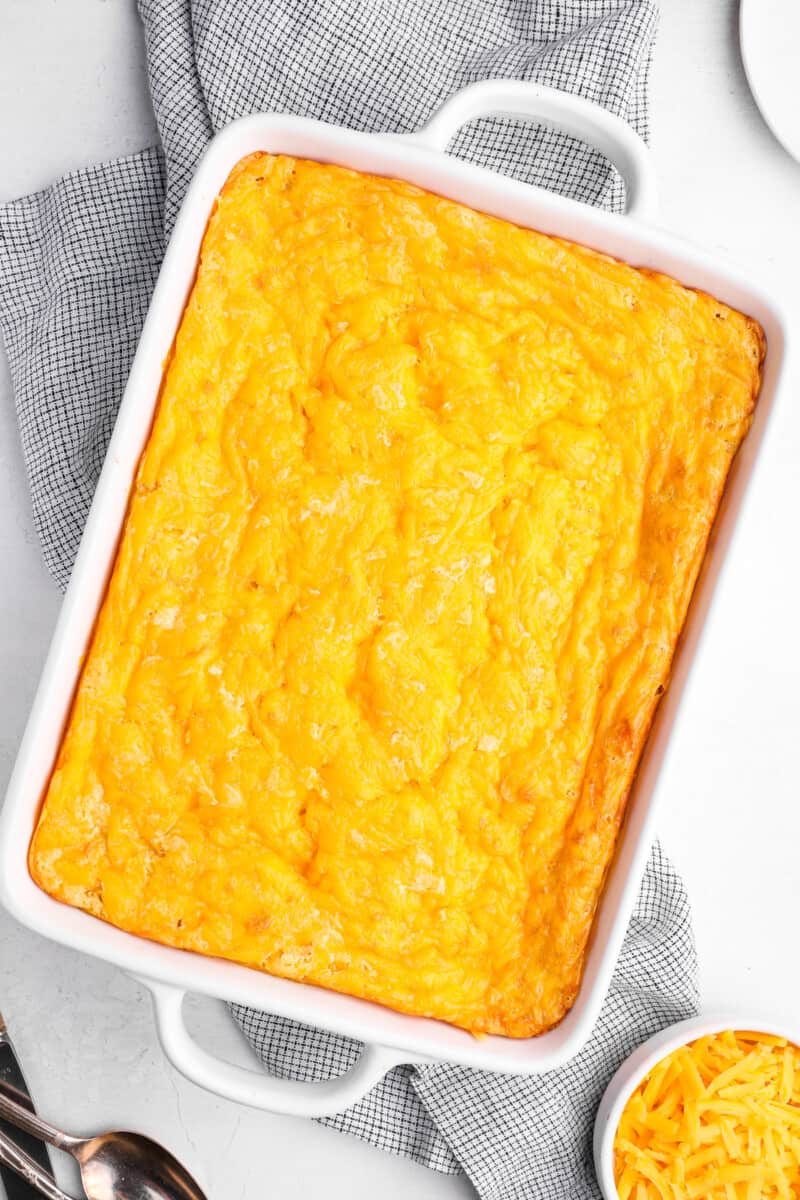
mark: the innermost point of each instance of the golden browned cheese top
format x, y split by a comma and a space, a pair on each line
405, 563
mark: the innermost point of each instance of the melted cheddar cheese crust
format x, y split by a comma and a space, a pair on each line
404, 566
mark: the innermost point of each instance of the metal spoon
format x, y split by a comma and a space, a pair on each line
114, 1166
13, 1156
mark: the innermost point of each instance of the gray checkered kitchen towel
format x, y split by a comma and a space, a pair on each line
77, 266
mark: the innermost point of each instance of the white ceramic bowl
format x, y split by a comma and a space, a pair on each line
642, 1061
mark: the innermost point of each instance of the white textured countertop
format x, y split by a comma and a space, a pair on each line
72, 91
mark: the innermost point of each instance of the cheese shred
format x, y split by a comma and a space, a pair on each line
718, 1119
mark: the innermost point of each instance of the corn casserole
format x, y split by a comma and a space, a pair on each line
405, 563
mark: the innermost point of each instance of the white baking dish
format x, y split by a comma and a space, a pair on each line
390, 1037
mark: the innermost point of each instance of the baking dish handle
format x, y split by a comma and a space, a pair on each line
255, 1087
585, 120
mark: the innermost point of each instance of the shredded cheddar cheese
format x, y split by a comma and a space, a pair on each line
718, 1119
405, 563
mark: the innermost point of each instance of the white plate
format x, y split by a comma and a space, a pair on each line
769, 32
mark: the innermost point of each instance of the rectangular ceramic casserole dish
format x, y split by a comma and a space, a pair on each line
391, 1037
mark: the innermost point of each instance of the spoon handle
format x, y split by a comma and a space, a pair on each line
23, 1118
15, 1158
